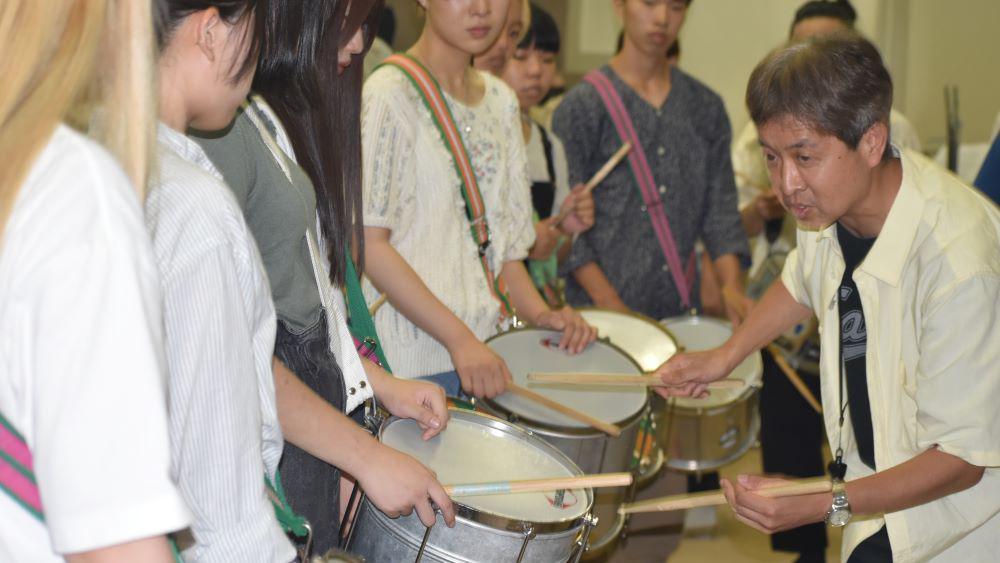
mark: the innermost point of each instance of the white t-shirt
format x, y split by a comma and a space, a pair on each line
82, 359
538, 167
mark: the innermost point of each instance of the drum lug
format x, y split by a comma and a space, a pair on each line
529, 534
589, 523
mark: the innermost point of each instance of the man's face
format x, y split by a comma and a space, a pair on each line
817, 177
652, 25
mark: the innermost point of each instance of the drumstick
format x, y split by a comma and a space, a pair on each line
647, 380
607, 428
540, 485
598, 177
736, 302
714, 498
378, 303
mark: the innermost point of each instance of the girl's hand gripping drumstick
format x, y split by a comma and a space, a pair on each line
598, 177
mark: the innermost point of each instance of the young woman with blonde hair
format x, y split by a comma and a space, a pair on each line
85, 460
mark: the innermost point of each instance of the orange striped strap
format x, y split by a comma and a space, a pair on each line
475, 210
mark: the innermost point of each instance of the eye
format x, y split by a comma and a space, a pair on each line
804, 158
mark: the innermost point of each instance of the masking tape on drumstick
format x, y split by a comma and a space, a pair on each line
607, 428
599, 176
715, 498
540, 485
620, 379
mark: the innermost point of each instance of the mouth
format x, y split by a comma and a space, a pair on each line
657, 37
800, 211
531, 91
479, 32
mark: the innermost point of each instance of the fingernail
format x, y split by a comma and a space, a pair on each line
435, 423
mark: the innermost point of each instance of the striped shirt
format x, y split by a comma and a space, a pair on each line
219, 337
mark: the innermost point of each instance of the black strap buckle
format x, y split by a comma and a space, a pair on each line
482, 248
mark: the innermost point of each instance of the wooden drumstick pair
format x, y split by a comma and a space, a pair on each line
648, 379
715, 498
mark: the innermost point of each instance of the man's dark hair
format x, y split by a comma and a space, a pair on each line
836, 84
837, 9
542, 34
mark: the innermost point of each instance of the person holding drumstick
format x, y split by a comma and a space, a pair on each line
447, 209
898, 260
530, 73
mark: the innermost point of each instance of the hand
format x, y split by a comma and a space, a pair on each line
770, 515
737, 304
397, 484
688, 374
546, 238
576, 333
483, 373
768, 206
421, 401
582, 218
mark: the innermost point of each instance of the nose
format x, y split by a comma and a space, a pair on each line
661, 14
481, 7
791, 179
534, 66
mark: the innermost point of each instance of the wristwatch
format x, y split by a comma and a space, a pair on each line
840, 511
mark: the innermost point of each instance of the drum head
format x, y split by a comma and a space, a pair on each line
477, 448
639, 336
701, 333
534, 350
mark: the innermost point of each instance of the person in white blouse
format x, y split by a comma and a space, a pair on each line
419, 247
85, 463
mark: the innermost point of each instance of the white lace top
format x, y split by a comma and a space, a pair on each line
412, 188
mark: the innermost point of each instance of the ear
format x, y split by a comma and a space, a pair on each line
873, 143
619, 6
209, 32
422, 4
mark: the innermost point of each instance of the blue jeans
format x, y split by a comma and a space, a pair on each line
448, 380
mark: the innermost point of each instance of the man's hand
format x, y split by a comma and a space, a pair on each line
770, 515
576, 333
688, 374
482, 372
582, 218
422, 401
397, 484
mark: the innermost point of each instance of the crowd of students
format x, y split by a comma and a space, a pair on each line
201, 198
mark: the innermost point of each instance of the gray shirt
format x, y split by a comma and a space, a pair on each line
686, 142
278, 212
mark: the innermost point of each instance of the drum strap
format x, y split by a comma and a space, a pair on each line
683, 276
360, 319
475, 210
17, 475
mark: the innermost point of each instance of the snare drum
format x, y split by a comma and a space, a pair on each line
477, 448
535, 350
650, 345
705, 434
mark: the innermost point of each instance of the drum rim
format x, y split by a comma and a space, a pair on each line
555, 429
498, 521
646, 318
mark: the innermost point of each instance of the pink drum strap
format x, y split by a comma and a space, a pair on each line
17, 477
683, 276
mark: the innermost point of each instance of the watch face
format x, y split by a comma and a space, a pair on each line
839, 518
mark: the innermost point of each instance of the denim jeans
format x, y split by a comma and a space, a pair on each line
449, 381
312, 486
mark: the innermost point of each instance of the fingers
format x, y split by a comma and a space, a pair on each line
437, 404
425, 512
443, 501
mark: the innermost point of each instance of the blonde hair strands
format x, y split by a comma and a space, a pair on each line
57, 54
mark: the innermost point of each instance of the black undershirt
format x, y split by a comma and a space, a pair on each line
854, 343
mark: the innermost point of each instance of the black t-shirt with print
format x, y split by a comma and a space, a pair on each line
854, 343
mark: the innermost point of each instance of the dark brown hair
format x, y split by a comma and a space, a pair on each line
167, 15
836, 84
297, 75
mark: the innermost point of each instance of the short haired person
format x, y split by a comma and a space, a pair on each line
84, 445
898, 260
530, 73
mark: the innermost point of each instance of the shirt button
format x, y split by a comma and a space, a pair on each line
363, 384
468, 129
663, 189
665, 268
661, 151
643, 208
352, 391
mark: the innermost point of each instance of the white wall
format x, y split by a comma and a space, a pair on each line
926, 44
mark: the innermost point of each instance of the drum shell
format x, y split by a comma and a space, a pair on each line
697, 439
380, 538
594, 452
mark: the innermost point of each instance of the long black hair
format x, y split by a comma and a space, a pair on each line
167, 15
297, 75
